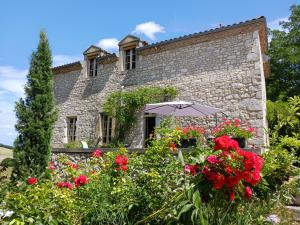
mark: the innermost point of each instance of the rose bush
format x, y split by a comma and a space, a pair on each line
207, 185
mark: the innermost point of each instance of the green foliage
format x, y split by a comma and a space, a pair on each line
125, 105
36, 115
7, 162
284, 51
284, 124
73, 144
278, 167
42, 204
154, 190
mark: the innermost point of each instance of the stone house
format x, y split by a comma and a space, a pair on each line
224, 67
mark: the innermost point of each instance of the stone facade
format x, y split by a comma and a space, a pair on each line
223, 68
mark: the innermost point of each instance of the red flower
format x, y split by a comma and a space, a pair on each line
225, 143
31, 180
248, 164
255, 178
172, 146
97, 153
121, 160
123, 167
65, 185
228, 170
73, 165
247, 176
231, 181
212, 159
231, 196
81, 180
259, 163
219, 181
193, 169
248, 192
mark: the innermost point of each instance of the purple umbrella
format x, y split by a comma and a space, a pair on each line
180, 108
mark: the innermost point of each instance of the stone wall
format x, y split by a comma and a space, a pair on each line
226, 73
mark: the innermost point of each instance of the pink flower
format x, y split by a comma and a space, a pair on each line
31, 180
251, 129
212, 159
97, 153
65, 185
51, 167
248, 192
192, 169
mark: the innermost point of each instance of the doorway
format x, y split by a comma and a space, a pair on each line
149, 128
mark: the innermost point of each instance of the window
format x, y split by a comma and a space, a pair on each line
71, 128
130, 59
106, 123
93, 67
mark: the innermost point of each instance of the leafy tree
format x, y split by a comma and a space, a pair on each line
36, 115
284, 51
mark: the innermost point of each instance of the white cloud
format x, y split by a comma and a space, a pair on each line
7, 123
59, 60
109, 44
274, 24
14, 86
150, 29
12, 81
11, 72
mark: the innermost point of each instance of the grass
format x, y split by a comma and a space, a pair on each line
6, 153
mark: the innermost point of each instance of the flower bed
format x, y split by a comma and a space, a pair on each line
209, 185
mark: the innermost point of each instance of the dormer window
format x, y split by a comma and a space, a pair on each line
93, 67
130, 59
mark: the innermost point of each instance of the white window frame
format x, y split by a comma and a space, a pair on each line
71, 128
131, 62
95, 68
107, 128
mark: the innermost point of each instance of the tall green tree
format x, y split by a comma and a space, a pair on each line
36, 115
284, 51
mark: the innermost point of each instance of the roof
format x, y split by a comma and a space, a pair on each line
96, 48
131, 37
211, 31
67, 67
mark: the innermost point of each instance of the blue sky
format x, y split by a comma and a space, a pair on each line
72, 26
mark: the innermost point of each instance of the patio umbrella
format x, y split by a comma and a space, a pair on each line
181, 108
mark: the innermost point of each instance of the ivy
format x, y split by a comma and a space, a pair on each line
124, 105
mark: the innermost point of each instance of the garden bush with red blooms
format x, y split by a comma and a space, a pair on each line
32, 180
207, 185
232, 170
121, 161
234, 128
81, 180
97, 153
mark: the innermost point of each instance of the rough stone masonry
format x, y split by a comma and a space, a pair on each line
223, 67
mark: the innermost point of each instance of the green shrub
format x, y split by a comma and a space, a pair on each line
7, 162
42, 204
73, 144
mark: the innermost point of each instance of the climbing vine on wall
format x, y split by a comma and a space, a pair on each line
124, 105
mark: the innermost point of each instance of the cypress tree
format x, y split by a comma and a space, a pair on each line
36, 115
